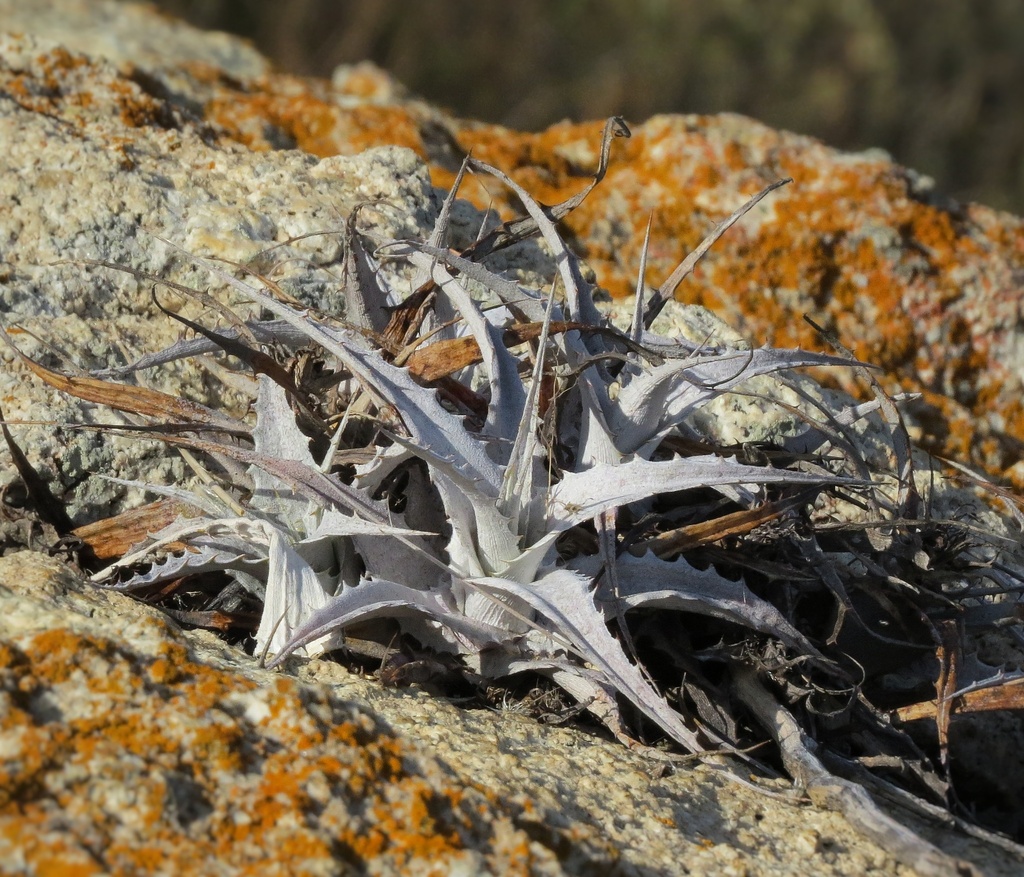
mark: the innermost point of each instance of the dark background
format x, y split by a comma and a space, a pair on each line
937, 83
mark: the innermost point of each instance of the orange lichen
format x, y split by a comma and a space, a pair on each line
139, 110
368, 82
312, 120
282, 783
58, 82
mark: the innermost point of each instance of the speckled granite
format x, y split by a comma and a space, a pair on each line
95, 168
128, 746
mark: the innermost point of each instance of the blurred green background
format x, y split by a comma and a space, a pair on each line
939, 84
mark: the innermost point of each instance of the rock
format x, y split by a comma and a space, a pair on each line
129, 746
912, 281
125, 742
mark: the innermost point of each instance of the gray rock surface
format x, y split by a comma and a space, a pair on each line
123, 738
129, 746
96, 168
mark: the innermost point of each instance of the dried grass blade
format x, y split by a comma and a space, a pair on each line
214, 619
198, 295
257, 360
949, 655
443, 358
406, 319
1008, 695
135, 400
265, 332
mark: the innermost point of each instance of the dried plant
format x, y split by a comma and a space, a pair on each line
508, 480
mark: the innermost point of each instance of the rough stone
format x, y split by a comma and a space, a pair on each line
96, 168
911, 280
130, 745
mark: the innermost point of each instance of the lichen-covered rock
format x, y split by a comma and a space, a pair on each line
126, 744
928, 289
127, 747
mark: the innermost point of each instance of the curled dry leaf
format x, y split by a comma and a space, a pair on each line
137, 400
